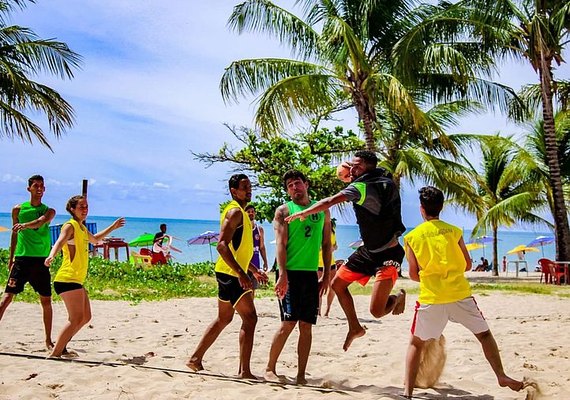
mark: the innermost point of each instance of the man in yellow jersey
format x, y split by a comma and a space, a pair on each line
234, 285
438, 259
298, 286
29, 247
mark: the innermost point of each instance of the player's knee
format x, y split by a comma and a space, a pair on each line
338, 285
377, 312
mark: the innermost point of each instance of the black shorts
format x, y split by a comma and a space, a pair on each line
229, 289
368, 263
32, 270
301, 303
62, 287
254, 281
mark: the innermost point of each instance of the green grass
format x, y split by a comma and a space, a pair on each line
111, 280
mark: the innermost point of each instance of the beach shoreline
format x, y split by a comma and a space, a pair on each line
159, 336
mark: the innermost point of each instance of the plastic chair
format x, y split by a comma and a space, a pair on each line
550, 271
141, 260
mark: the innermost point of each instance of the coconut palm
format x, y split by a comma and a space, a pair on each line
532, 30
505, 194
23, 57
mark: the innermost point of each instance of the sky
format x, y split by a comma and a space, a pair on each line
146, 96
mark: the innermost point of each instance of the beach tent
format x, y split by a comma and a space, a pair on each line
541, 241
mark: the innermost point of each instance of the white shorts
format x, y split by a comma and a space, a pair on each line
431, 319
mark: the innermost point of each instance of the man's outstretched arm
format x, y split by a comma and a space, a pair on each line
319, 206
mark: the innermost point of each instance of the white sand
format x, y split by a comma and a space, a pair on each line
532, 332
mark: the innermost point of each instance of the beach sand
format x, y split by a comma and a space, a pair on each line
146, 346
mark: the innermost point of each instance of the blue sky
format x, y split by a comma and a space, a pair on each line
146, 96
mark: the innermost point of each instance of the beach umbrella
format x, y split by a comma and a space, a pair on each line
483, 240
144, 240
207, 237
520, 248
356, 244
541, 241
3, 229
474, 246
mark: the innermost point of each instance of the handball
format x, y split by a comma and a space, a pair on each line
343, 172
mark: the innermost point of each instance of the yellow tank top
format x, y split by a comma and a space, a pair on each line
333, 243
75, 271
441, 262
242, 240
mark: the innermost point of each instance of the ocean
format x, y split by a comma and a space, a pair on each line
183, 229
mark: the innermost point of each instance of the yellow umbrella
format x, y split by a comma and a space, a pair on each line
520, 248
3, 229
474, 246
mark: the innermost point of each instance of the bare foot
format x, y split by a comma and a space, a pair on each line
195, 364
511, 383
49, 344
351, 335
301, 380
400, 305
271, 376
247, 375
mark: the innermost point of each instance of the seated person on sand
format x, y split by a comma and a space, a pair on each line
483, 266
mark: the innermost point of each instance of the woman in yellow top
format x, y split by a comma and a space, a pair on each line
68, 282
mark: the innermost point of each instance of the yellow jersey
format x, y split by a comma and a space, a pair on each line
441, 262
75, 271
241, 244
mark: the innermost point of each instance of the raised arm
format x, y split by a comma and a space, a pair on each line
66, 234
321, 205
281, 228
232, 221
96, 238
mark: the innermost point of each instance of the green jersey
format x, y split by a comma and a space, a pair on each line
305, 240
32, 242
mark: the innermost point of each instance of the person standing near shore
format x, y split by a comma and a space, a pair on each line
74, 241
438, 259
29, 247
298, 286
377, 206
235, 247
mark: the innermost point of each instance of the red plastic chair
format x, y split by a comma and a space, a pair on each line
550, 271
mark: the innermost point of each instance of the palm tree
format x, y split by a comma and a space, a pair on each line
505, 194
23, 56
534, 155
533, 30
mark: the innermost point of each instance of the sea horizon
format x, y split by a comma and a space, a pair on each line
183, 229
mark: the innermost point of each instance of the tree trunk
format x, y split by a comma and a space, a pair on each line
562, 229
495, 251
367, 116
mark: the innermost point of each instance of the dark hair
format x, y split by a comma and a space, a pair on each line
249, 206
72, 203
34, 178
293, 174
162, 225
431, 199
369, 157
234, 181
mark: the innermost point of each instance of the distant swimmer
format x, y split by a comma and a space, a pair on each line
234, 285
298, 286
74, 242
377, 206
29, 247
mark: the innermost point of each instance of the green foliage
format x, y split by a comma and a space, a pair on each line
112, 280
265, 160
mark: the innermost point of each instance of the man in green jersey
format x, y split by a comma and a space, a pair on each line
29, 247
298, 286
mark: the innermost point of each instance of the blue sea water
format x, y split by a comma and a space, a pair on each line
184, 229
